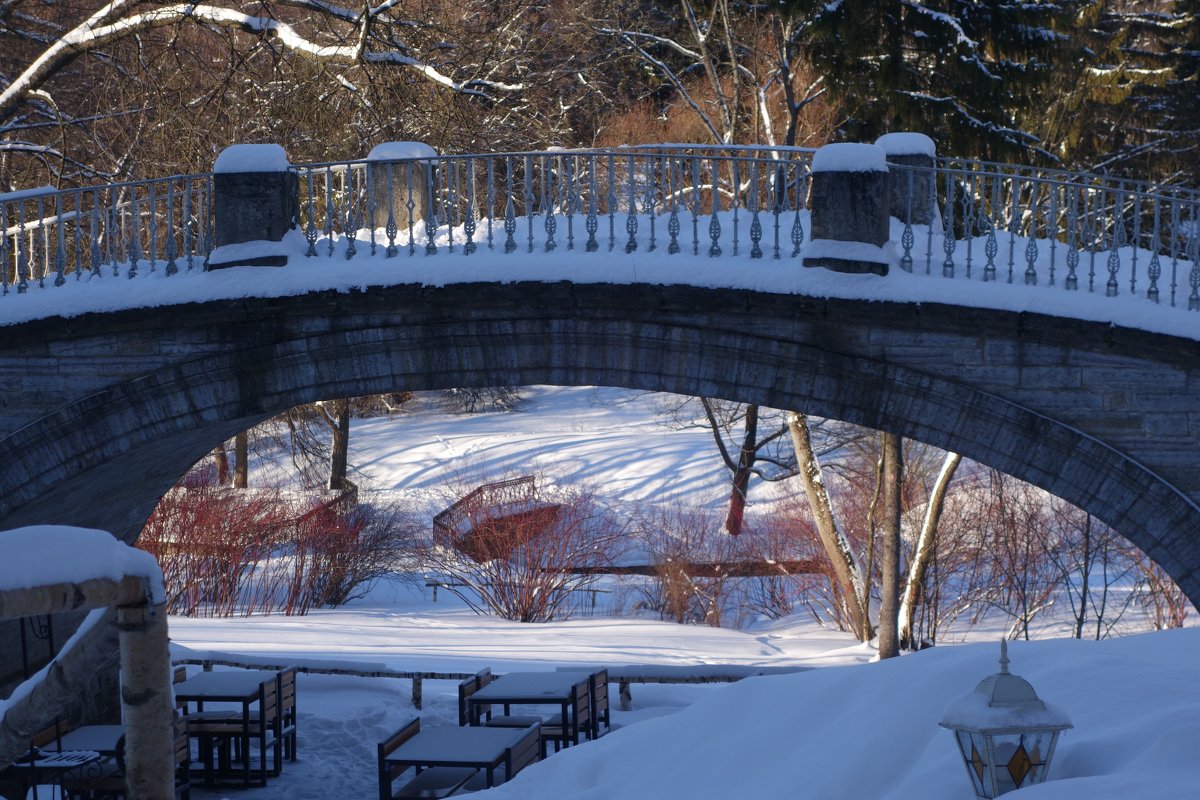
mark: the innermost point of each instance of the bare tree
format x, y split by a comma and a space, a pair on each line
925, 549
850, 578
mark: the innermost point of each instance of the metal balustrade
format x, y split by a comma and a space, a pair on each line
993, 222
50, 237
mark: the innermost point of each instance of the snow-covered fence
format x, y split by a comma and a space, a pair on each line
677, 198
1054, 228
50, 236
623, 675
992, 222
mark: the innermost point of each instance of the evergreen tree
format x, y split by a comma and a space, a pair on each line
1183, 107
967, 73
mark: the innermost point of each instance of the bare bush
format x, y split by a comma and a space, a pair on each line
475, 400
225, 552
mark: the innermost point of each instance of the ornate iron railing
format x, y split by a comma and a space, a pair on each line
678, 199
1080, 231
993, 222
50, 236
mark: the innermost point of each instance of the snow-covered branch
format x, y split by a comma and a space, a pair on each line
113, 22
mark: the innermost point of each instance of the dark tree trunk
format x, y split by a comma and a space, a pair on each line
241, 446
741, 476
222, 459
889, 537
341, 445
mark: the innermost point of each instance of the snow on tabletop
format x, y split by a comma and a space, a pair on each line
850, 157
400, 151
44, 555
851, 251
907, 144
252, 158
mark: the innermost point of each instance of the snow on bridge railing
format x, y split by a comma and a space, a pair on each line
694, 199
991, 222
48, 236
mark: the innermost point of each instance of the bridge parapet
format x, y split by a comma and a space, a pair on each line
988, 223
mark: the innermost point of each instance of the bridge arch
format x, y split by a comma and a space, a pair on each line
1009, 390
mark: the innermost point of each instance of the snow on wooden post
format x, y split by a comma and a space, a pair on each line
52, 568
401, 175
849, 204
256, 200
912, 197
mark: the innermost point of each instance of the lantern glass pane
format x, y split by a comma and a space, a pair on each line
1021, 759
974, 752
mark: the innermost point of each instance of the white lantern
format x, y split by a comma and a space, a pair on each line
1005, 734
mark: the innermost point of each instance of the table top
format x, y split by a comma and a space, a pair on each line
241, 684
469, 746
529, 687
101, 738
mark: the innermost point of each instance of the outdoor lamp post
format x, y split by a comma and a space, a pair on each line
1006, 735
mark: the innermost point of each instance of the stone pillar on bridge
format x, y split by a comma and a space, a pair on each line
256, 200
402, 186
850, 204
912, 194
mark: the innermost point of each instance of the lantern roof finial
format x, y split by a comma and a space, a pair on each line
1004, 657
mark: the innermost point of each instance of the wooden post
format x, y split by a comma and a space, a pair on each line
146, 702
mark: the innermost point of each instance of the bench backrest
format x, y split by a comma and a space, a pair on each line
465, 689
388, 772
599, 690
526, 751
287, 694
582, 705
469, 687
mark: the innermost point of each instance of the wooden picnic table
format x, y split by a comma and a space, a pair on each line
454, 746
241, 687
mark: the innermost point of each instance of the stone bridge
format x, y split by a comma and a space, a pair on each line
101, 413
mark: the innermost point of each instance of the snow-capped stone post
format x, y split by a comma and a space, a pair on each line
402, 188
912, 195
850, 204
256, 200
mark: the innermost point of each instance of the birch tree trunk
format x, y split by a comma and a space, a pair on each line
845, 566
889, 538
914, 587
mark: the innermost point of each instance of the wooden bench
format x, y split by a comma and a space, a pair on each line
428, 784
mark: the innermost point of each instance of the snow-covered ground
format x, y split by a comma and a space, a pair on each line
849, 729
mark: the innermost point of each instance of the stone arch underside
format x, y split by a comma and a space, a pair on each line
105, 459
